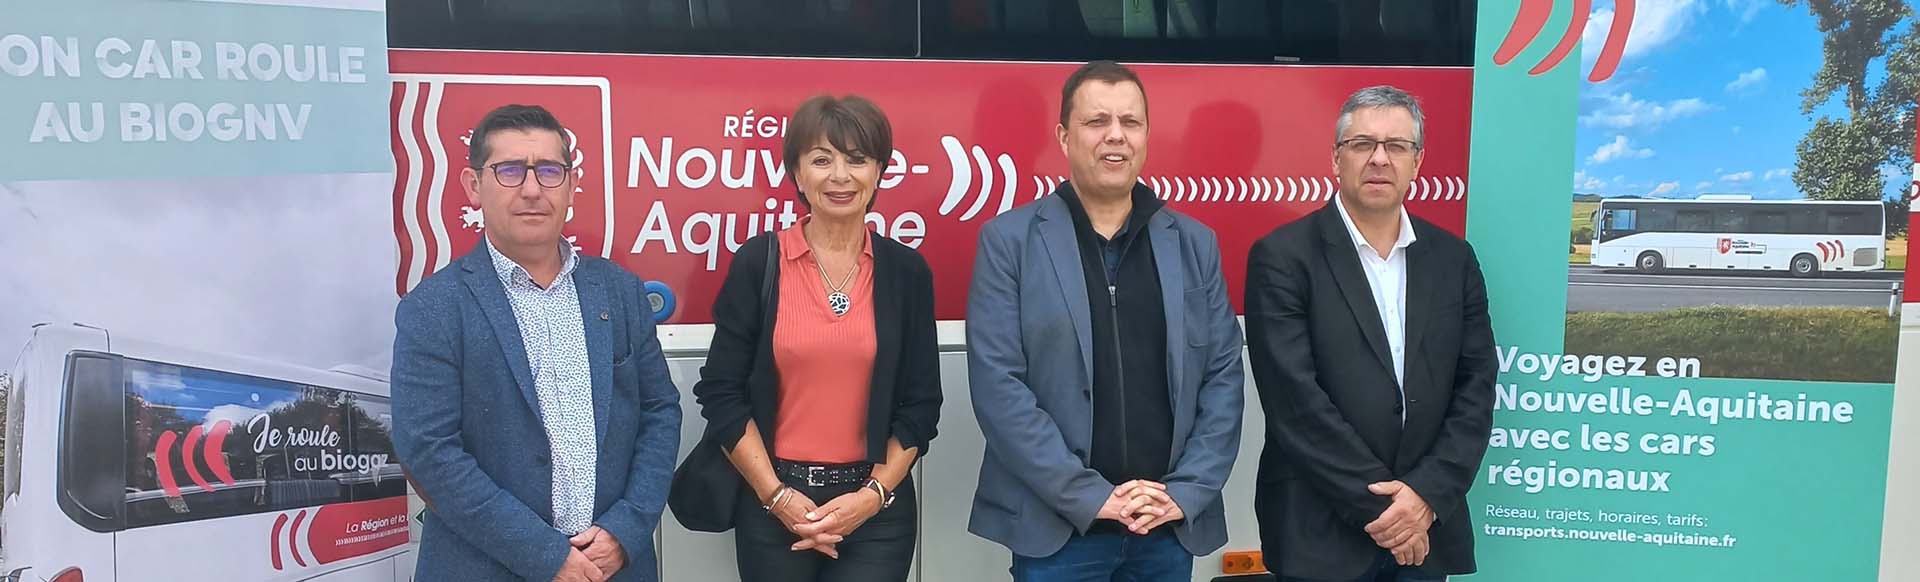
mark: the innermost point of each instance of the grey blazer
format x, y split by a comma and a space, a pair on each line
1030, 361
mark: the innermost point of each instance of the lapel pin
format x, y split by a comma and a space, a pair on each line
603, 316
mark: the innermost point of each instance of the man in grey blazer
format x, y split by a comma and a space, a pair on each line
532, 406
1105, 362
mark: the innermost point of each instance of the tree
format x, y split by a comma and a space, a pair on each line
1840, 159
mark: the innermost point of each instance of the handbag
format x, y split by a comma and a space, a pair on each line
706, 486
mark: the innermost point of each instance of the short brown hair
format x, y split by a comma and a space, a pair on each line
1103, 71
514, 117
850, 124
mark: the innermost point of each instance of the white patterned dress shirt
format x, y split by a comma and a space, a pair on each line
555, 337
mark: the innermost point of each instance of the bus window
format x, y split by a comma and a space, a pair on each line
1655, 218
90, 474
1730, 219
1768, 222
1851, 221
206, 444
1693, 221
1621, 220
371, 435
1355, 32
872, 28
1806, 220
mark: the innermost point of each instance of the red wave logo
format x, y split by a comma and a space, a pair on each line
1532, 18
1831, 250
210, 451
338, 532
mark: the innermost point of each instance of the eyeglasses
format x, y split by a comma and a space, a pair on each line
1361, 147
513, 174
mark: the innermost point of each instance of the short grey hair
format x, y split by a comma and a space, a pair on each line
1380, 96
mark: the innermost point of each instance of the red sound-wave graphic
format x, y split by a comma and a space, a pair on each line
210, 451
186, 458
1831, 250
338, 531
1532, 19
293, 538
217, 442
278, 523
163, 463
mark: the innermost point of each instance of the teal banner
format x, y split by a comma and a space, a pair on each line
147, 88
1714, 413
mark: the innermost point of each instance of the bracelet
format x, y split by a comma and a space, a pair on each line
886, 498
779, 495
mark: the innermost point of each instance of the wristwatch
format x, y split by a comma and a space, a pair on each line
886, 497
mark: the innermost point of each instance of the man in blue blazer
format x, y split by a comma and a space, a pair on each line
1104, 362
531, 401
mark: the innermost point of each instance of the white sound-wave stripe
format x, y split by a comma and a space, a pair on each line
410, 202
962, 174
986, 183
1006, 190
436, 214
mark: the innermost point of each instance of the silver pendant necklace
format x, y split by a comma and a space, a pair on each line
837, 299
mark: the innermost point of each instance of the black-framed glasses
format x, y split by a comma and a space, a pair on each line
1360, 147
512, 174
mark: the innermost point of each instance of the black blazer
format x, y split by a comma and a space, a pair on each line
1326, 384
739, 381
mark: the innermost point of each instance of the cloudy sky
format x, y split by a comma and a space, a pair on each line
1707, 100
296, 269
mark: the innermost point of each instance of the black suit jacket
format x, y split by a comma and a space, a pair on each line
1326, 384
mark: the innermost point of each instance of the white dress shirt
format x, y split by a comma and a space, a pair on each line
1388, 279
555, 338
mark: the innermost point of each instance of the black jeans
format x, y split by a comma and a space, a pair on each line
881, 550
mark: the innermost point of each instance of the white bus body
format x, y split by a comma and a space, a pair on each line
135, 461
1804, 238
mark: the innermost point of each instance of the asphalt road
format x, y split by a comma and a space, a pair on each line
1608, 289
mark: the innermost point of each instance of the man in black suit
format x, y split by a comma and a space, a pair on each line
1374, 362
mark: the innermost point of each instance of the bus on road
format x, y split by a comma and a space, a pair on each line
1805, 238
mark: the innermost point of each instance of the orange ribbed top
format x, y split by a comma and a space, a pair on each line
825, 361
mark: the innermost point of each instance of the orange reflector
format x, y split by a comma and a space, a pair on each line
1242, 563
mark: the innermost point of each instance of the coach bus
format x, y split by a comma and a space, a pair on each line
1805, 238
129, 459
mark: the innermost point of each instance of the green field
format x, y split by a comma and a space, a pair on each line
1840, 344
1583, 215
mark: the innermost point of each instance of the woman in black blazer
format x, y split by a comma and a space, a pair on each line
820, 412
